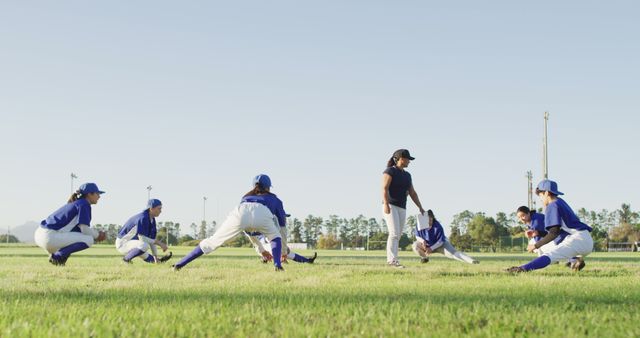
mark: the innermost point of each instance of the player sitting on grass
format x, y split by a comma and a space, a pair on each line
138, 235
572, 237
430, 238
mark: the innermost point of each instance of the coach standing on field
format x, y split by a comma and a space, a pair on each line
396, 185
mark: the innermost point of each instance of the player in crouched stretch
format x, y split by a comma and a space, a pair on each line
572, 237
258, 211
430, 238
68, 229
138, 235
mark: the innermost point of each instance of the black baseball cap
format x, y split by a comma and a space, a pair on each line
402, 153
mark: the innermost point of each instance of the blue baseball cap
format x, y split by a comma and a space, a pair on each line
550, 186
88, 188
153, 203
263, 180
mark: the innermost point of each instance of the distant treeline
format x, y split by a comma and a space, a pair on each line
468, 229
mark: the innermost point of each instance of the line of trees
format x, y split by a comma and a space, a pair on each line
469, 231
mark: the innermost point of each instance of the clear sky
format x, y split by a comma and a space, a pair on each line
197, 97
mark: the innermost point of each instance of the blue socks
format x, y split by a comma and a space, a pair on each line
537, 263
276, 251
197, 252
69, 249
300, 259
133, 253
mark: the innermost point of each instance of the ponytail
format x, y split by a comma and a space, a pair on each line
75, 196
257, 190
432, 217
391, 162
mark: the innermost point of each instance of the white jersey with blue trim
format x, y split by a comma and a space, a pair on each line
69, 216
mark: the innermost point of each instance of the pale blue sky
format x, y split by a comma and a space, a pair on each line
197, 97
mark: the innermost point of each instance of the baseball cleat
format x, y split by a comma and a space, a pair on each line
176, 267
396, 265
516, 269
475, 261
424, 260
124, 261
312, 259
578, 264
279, 268
58, 262
165, 257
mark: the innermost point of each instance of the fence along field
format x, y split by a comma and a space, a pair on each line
347, 293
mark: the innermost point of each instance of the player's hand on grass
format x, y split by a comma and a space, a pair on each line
101, 236
531, 247
267, 256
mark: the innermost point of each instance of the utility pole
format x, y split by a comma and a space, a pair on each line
73, 176
529, 190
149, 192
204, 209
545, 158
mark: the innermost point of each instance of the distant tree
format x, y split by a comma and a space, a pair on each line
162, 235
404, 242
626, 215
462, 241
296, 231
624, 232
312, 229
10, 239
329, 241
211, 228
238, 242
485, 231
331, 225
184, 239
461, 220
202, 232
194, 228
378, 241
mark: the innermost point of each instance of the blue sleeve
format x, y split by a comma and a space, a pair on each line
84, 214
153, 232
280, 214
143, 227
538, 224
552, 216
440, 233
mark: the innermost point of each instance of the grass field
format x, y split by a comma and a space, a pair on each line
229, 293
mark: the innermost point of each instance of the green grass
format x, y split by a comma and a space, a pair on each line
229, 293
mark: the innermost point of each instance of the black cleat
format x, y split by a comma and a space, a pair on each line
57, 262
165, 257
475, 261
279, 268
516, 269
578, 264
313, 259
424, 260
175, 267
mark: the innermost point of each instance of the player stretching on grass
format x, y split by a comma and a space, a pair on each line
138, 235
257, 212
572, 237
68, 229
430, 238
396, 185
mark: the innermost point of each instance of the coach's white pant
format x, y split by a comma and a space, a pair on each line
578, 244
395, 222
124, 246
52, 240
250, 217
446, 249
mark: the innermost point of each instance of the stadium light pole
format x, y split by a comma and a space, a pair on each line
545, 159
529, 190
73, 176
149, 192
204, 208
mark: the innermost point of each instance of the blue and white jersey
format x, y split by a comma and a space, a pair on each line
140, 224
434, 236
537, 224
69, 216
559, 213
272, 202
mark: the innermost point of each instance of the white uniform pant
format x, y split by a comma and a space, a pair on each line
578, 244
52, 240
395, 222
124, 246
250, 217
446, 249
545, 248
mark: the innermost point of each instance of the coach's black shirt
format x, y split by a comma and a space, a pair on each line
399, 187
